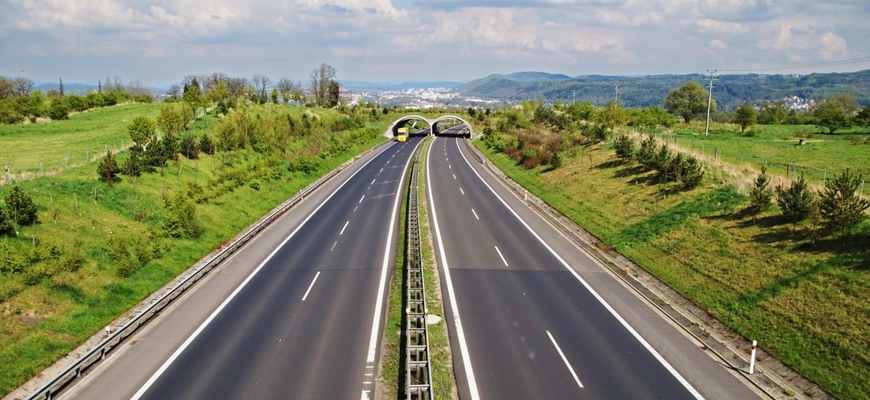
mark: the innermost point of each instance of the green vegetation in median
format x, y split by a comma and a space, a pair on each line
392, 376
99, 249
800, 290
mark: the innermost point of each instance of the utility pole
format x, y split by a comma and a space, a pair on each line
617, 92
712, 77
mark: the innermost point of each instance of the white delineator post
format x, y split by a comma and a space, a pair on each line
752, 357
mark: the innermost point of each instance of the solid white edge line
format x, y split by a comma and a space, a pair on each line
388, 250
600, 299
565, 359
454, 307
343, 228
311, 286
502, 257
238, 289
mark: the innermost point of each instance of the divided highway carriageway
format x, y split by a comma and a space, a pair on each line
299, 313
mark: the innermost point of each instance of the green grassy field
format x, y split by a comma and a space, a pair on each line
809, 305
821, 156
31, 150
49, 307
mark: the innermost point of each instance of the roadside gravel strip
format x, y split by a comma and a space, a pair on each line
771, 377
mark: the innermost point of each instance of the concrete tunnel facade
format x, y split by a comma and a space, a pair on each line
393, 131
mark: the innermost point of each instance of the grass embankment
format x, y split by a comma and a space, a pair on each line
32, 150
392, 375
809, 305
50, 307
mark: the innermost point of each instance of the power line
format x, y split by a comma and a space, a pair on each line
858, 60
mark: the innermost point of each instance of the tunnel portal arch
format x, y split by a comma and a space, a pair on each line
465, 128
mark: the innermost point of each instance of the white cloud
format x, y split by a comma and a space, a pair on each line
431, 39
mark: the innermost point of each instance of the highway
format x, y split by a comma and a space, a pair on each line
296, 314
532, 317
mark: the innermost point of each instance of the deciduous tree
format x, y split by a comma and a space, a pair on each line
687, 101
142, 130
745, 116
320, 82
832, 116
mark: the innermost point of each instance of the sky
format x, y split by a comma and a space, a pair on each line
157, 43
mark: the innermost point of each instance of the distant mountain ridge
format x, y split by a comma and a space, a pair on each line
729, 91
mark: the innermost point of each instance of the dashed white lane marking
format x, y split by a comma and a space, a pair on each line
342, 229
373, 181
454, 176
361, 199
311, 286
462, 191
475, 214
333, 245
567, 364
502, 257
585, 284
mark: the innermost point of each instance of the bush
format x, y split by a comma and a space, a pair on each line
303, 164
59, 109
206, 145
180, 218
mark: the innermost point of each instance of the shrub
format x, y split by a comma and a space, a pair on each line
59, 109
206, 145
180, 218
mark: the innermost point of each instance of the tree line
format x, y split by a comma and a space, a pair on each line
20, 102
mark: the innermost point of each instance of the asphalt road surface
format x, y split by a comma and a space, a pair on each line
532, 317
298, 314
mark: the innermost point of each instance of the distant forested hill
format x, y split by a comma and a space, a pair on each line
642, 91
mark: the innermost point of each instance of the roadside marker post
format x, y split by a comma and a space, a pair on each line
752, 357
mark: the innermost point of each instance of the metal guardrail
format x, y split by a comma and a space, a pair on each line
418, 374
140, 317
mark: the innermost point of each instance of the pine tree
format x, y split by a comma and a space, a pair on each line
625, 147
5, 220
21, 207
108, 169
841, 207
796, 201
760, 196
691, 173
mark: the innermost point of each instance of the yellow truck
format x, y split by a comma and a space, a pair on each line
403, 135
